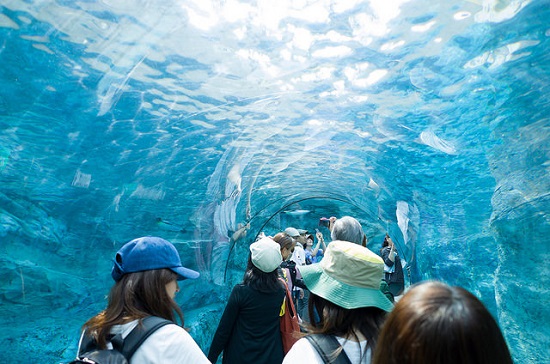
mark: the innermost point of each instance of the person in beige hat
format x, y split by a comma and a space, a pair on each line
349, 229
249, 329
345, 291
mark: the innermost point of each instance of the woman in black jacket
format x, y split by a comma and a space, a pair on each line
249, 330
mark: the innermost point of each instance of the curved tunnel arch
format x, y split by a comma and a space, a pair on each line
345, 206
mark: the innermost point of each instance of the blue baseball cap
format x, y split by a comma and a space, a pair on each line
149, 253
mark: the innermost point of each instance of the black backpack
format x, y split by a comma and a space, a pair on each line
122, 349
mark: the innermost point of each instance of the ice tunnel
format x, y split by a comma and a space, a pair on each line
206, 122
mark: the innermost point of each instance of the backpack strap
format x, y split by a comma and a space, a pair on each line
86, 343
138, 335
326, 345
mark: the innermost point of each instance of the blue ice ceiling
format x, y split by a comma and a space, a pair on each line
206, 122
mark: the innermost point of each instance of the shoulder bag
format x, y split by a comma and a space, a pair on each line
290, 328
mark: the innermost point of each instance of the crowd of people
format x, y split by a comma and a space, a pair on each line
351, 302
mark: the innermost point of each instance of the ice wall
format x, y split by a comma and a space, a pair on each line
207, 122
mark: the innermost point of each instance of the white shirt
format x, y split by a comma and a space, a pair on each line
303, 352
299, 255
169, 344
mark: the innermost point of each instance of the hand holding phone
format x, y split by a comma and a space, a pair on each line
319, 235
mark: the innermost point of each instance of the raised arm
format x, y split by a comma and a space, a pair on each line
320, 240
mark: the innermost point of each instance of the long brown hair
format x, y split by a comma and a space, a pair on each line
135, 296
437, 323
338, 321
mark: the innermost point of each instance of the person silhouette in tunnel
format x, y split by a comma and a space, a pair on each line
287, 270
249, 329
393, 269
287, 243
315, 254
436, 323
296, 235
146, 271
298, 258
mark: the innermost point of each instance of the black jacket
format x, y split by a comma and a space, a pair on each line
249, 330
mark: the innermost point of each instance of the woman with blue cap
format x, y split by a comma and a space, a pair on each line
146, 272
345, 291
249, 329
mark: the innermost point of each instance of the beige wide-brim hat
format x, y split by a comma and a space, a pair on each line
349, 276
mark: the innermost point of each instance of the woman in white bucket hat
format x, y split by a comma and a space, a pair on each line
249, 329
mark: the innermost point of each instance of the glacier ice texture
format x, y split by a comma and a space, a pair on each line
208, 122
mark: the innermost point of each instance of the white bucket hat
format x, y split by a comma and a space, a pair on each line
266, 254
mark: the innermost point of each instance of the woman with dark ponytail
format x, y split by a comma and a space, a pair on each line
249, 329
